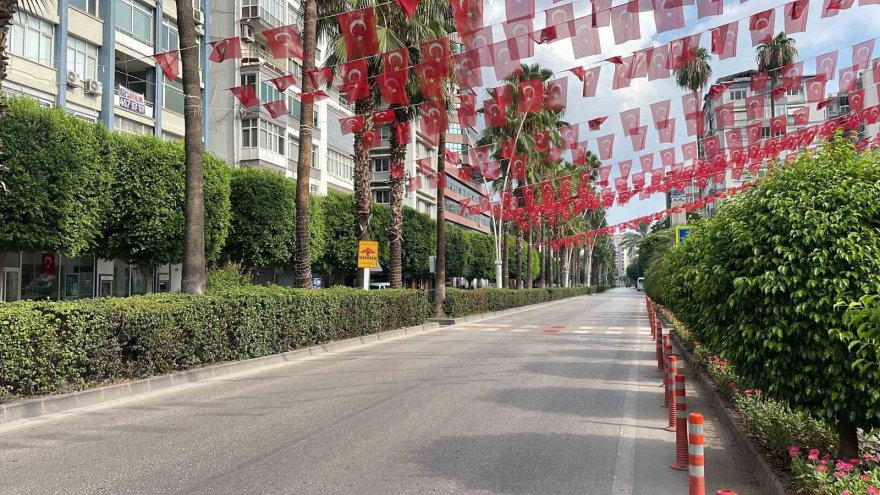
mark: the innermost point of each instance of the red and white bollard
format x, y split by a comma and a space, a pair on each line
696, 464
671, 373
726, 492
681, 434
659, 349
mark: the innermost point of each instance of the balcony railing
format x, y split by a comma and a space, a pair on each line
255, 55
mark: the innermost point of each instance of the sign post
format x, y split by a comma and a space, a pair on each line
368, 257
681, 231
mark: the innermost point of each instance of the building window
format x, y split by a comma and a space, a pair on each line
454, 128
794, 91
173, 96
382, 196
737, 94
455, 147
385, 132
268, 93
88, 6
340, 165
82, 58
765, 132
272, 137
382, 164
170, 37
32, 38
129, 126
249, 133
273, 11
135, 19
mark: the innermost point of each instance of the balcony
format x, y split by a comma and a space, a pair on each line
262, 14
254, 55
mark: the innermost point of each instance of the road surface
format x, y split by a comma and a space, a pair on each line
561, 399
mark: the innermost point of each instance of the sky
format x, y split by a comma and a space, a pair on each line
859, 23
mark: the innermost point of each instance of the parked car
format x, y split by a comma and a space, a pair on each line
380, 286
640, 284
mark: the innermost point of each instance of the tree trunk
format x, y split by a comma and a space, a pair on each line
505, 257
517, 284
362, 197
529, 275
440, 259
7, 10
848, 441
303, 262
542, 281
194, 210
395, 222
588, 265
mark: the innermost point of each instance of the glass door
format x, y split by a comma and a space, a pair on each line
10, 285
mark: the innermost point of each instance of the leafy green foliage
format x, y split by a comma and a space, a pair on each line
458, 252
60, 170
57, 346
482, 255
759, 282
460, 302
419, 240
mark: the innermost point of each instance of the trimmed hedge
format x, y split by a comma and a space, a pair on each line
461, 302
50, 347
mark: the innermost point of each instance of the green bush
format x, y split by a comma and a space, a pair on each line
52, 347
461, 302
760, 282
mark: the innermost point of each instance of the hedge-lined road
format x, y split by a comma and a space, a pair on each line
559, 399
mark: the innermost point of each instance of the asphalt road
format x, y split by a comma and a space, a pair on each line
555, 400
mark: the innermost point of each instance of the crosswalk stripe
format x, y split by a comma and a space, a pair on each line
587, 328
613, 332
615, 328
581, 331
521, 330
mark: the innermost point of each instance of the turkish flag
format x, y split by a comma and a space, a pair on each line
791, 75
320, 76
531, 96
778, 124
402, 130
519, 9
754, 132
479, 155
561, 18
625, 167
397, 60
658, 62
554, 155
351, 125
638, 180
430, 82
724, 115
466, 173
630, 120
493, 113
283, 82
276, 108
246, 95
467, 110
585, 42
502, 61
468, 15
668, 15
689, 151
371, 139
384, 117
733, 138
647, 162
861, 53
755, 106
796, 14
724, 40
801, 116
392, 86
604, 173
621, 73
683, 50
712, 145
518, 167
638, 138
717, 90
857, 100
506, 149
833, 7
169, 62
595, 124
503, 95
638, 65
519, 38
590, 79
606, 146
314, 96
848, 78
556, 97
706, 8
225, 49
414, 183
408, 6
359, 33
354, 80
656, 177
569, 135
826, 65
625, 23
467, 69
690, 105
761, 26
542, 141
666, 133
480, 42
285, 42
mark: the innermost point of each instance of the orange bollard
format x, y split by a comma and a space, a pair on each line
696, 461
681, 435
659, 349
671, 373
667, 351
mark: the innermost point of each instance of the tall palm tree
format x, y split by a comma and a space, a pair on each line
440, 249
695, 74
303, 263
772, 56
630, 240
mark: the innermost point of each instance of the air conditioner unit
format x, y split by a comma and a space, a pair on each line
73, 80
198, 17
93, 86
247, 33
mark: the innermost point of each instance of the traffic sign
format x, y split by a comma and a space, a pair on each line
368, 254
681, 232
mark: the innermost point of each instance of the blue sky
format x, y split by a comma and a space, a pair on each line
823, 35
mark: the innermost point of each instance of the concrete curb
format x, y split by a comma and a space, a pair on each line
53, 404
765, 474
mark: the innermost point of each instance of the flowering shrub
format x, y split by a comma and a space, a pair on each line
777, 426
817, 474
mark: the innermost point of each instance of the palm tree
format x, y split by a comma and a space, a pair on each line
194, 269
696, 73
303, 264
631, 240
440, 249
772, 56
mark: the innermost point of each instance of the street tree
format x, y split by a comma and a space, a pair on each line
303, 264
772, 57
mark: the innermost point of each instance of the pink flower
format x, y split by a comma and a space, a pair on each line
854, 462
794, 451
839, 474
821, 468
865, 478
843, 466
873, 490
824, 461
814, 454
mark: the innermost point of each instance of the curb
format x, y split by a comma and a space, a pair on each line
53, 404
765, 474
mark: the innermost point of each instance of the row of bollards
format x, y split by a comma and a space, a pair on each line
688, 428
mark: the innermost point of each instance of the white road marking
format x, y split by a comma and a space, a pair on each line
587, 328
615, 328
492, 329
624, 464
644, 333
644, 328
581, 331
521, 330
529, 326
613, 332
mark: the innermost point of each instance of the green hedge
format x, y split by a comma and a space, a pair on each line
50, 347
461, 302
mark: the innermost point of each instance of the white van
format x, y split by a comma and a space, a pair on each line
380, 286
640, 283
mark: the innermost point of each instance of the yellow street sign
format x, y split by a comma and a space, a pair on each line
368, 254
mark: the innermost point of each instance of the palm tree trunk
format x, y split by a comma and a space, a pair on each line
588, 265
440, 259
529, 275
395, 222
542, 282
362, 196
303, 262
505, 257
7, 10
194, 210
519, 240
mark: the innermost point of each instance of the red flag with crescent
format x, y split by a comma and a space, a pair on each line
358, 29
285, 42
225, 49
